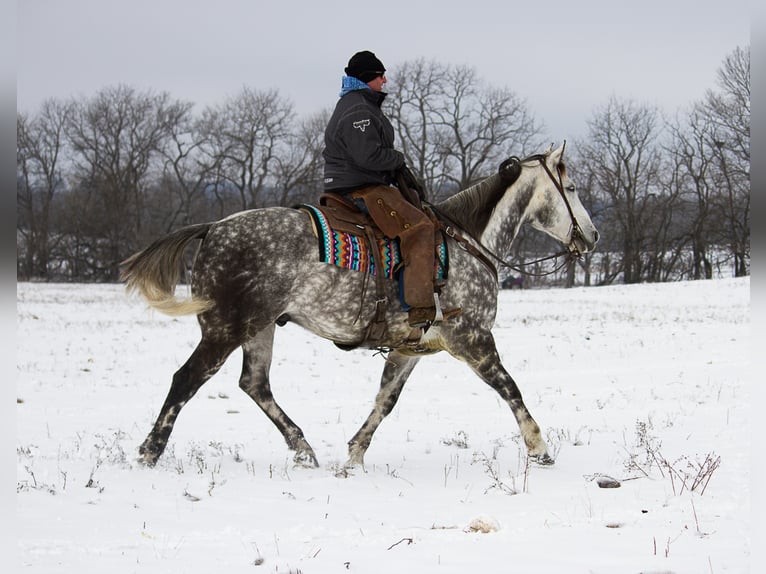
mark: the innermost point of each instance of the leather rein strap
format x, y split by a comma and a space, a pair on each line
463, 243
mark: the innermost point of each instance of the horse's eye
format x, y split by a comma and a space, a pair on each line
570, 187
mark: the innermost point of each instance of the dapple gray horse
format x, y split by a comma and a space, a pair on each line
259, 268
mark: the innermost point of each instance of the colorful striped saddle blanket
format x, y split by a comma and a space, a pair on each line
346, 246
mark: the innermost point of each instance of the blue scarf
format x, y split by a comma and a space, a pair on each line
351, 84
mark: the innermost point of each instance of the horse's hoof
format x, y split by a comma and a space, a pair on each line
354, 462
543, 459
343, 471
145, 459
147, 456
355, 455
305, 459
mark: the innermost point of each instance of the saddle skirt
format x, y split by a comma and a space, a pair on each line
347, 238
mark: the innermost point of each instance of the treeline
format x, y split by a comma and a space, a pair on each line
99, 178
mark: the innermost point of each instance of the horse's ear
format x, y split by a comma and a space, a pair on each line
510, 170
555, 157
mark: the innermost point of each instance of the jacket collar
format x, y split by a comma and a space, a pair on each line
351, 84
373, 96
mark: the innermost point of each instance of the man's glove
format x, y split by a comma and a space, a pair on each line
405, 175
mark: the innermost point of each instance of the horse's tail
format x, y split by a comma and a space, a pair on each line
154, 271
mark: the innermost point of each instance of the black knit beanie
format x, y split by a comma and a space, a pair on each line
365, 66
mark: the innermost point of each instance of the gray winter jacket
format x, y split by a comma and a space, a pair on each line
359, 143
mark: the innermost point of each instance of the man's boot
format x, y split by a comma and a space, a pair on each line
422, 317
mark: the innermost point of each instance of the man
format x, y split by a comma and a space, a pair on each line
362, 165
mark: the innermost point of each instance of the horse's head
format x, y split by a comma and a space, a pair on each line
555, 207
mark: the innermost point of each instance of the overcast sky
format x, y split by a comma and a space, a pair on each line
564, 57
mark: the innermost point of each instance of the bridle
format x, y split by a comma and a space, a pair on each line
576, 232
571, 252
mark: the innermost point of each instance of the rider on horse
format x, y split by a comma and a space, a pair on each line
362, 165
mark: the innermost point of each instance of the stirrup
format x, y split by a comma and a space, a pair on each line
438, 316
444, 315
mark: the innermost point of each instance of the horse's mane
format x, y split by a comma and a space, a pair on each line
472, 207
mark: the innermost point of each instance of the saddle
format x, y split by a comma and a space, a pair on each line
349, 238
344, 213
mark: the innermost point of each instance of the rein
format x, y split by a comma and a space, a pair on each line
485, 255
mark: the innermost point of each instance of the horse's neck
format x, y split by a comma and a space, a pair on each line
507, 218
491, 211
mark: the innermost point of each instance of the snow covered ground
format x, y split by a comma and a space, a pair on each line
644, 384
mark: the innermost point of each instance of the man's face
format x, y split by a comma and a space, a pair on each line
377, 83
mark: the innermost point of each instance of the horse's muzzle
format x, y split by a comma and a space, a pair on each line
582, 243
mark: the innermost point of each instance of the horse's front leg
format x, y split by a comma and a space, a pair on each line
481, 355
395, 373
256, 363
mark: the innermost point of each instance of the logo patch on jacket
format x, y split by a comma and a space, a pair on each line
361, 124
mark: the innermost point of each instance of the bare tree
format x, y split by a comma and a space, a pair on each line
621, 151
116, 137
40, 149
728, 111
299, 165
241, 138
691, 164
415, 88
452, 127
179, 196
664, 238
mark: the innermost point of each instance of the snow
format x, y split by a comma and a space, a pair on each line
644, 384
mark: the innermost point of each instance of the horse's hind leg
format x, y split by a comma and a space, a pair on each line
257, 353
203, 363
484, 360
396, 372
